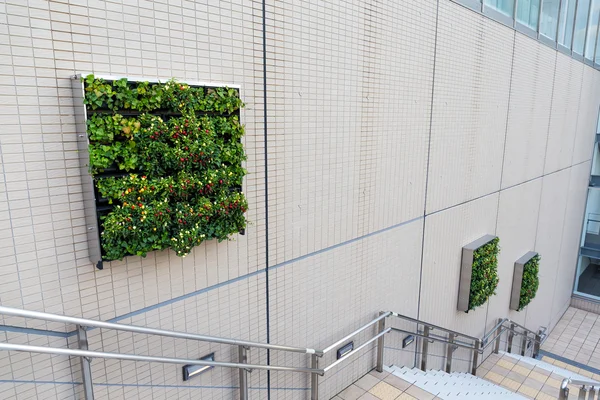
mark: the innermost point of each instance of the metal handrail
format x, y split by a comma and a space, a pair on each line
132, 357
436, 339
362, 346
476, 348
504, 321
587, 386
16, 312
356, 332
431, 326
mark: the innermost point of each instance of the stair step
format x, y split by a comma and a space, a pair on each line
457, 385
565, 373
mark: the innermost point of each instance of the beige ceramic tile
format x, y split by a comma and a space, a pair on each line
419, 393
560, 364
521, 370
352, 392
527, 391
367, 382
397, 382
368, 396
385, 391
505, 364
406, 396
544, 396
510, 384
494, 377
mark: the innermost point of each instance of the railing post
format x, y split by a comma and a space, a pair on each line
583, 391
475, 357
592, 394
243, 359
86, 364
380, 344
314, 378
563, 392
498, 334
511, 335
524, 343
425, 348
536, 345
449, 351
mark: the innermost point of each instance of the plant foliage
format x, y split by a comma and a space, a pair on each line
168, 157
530, 282
484, 276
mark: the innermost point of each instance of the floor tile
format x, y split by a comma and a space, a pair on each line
352, 392
368, 396
385, 391
397, 382
419, 393
367, 382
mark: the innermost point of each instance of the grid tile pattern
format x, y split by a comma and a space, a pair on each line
518, 212
576, 337
473, 67
352, 89
529, 111
565, 107
553, 203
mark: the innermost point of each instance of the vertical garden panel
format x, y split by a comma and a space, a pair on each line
525, 281
164, 162
473, 290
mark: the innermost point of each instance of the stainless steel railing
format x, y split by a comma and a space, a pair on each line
424, 330
475, 345
587, 389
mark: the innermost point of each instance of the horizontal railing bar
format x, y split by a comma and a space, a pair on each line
431, 325
489, 342
493, 330
359, 348
132, 357
532, 338
522, 327
15, 312
436, 339
576, 382
356, 332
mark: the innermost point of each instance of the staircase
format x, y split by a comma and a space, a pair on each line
500, 376
456, 385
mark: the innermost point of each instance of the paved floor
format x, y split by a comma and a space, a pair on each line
519, 377
576, 337
383, 386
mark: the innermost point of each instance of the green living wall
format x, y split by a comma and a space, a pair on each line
166, 159
484, 277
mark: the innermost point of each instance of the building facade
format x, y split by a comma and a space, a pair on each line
382, 137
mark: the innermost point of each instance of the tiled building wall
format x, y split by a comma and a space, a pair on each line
397, 132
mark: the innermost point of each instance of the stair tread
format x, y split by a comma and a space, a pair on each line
455, 385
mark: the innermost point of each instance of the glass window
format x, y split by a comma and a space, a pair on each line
597, 52
528, 12
565, 23
590, 41
504, 6
581, 20
549, 20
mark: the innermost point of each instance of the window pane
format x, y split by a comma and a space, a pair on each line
580, 25
565, 27
504, 6
590, 43
597, 53
527, 12
549, 21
